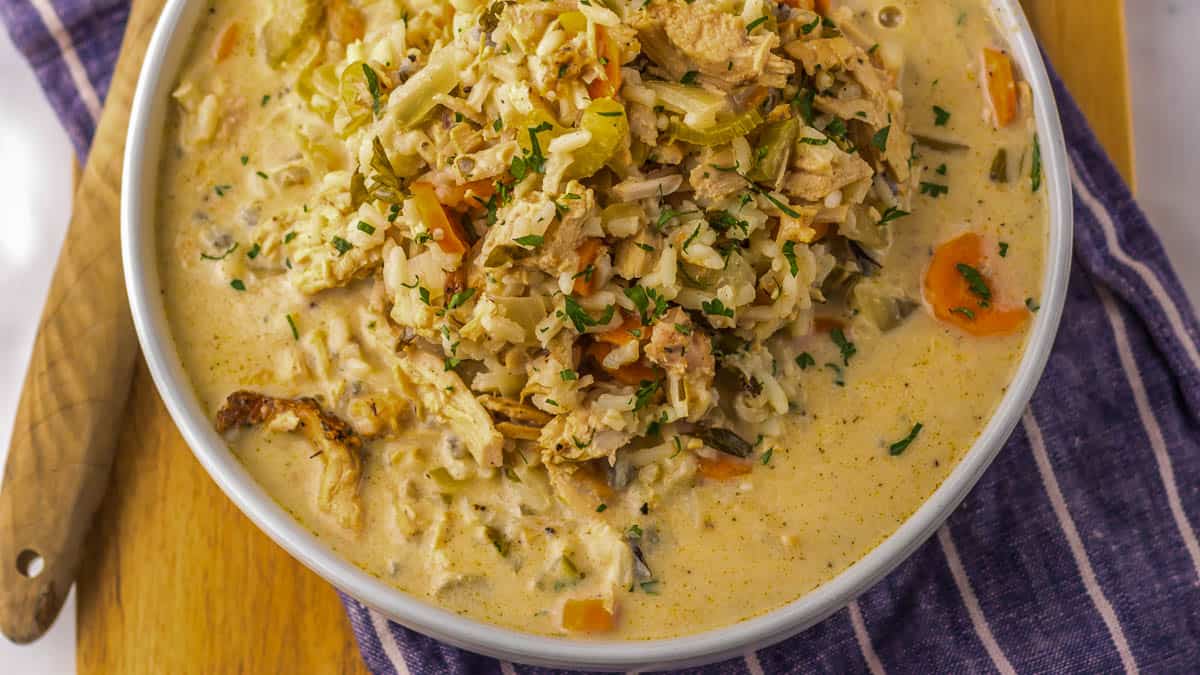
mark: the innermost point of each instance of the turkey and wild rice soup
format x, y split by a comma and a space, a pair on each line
621, 317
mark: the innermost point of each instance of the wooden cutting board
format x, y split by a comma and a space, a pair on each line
177, 580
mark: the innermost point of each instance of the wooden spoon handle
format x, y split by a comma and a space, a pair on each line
70, 410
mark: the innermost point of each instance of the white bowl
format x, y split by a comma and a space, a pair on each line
159, 73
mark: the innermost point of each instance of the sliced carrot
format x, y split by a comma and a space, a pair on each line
623, 334
607, 49
1001, 86
630, 373
949, 293
723, 467
587, 616
466, 196
446, 231
588, 252
225, 42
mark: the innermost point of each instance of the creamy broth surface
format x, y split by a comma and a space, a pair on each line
827, 482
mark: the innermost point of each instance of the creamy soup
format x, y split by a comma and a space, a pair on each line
616, 318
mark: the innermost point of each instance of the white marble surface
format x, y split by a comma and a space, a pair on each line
35, 178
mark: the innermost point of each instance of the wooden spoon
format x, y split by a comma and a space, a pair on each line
71, 407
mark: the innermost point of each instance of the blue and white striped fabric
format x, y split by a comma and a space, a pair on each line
1077, 551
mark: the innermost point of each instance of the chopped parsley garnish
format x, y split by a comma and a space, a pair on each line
966, 313
941, 170
811, 26
223, 256
1004, 249
892, 213
804, 360
451, 363
804, 101
458, 299
341, 245
498, 124
287, 238
683, 329
238, 285
1032, 305
602, 508
814, 141
645, 391
423, 293
245, 160
845, 346
689, 77
266, 99
581, 319
365, 227
568, 375
940, 116
880, 139
611, 113
836, 128
692, 237
901, 445
531, 240
634, 532
789, 252
254, 251
976, 283
649, 303
934, 190
716, 308
766, 456
1035, 173
262, 175
756, 23
222, 189
373, 88
292, 325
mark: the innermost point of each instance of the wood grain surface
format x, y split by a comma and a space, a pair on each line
179, 581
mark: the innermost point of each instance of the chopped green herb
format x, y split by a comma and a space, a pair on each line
611, 113
1035, 173
373, 88
238, 285
934, 190
649, 303
976, 283
789, 252
901, 445
1032, 305
880, 139
531, 240
287, 238
292, 325
892, 213
581, 319
458, 299
845, 346
644, 393
814, 141
224, 255
222, 189
365, 227
716, 308
766, 456
940, 116
839, 376
755, 23
262, 175
245, 160
568, 375
689, 77
341, 245
266, 99
254, 251
1004, 249
683, 329
602, 508
811, 26
968, 314
804, 360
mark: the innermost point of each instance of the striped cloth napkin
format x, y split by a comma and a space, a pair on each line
1076, 552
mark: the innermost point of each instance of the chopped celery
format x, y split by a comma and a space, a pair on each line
413, 100
720, 133
699, 106
291, 21
775, 142
605, 119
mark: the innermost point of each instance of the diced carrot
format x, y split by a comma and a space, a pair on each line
949, 293
630, 373
446, 231
466, 196
607, 49
723, 467
588, 252
622, 334
1001, 86
587, 616
225, 42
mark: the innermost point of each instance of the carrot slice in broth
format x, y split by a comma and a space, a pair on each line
587, 616
1001, 86
954, 301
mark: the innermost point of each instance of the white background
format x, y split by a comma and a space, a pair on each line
35, 180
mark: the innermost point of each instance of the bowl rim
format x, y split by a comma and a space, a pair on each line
139, 185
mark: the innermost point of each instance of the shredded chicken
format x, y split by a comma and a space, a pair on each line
336, 444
